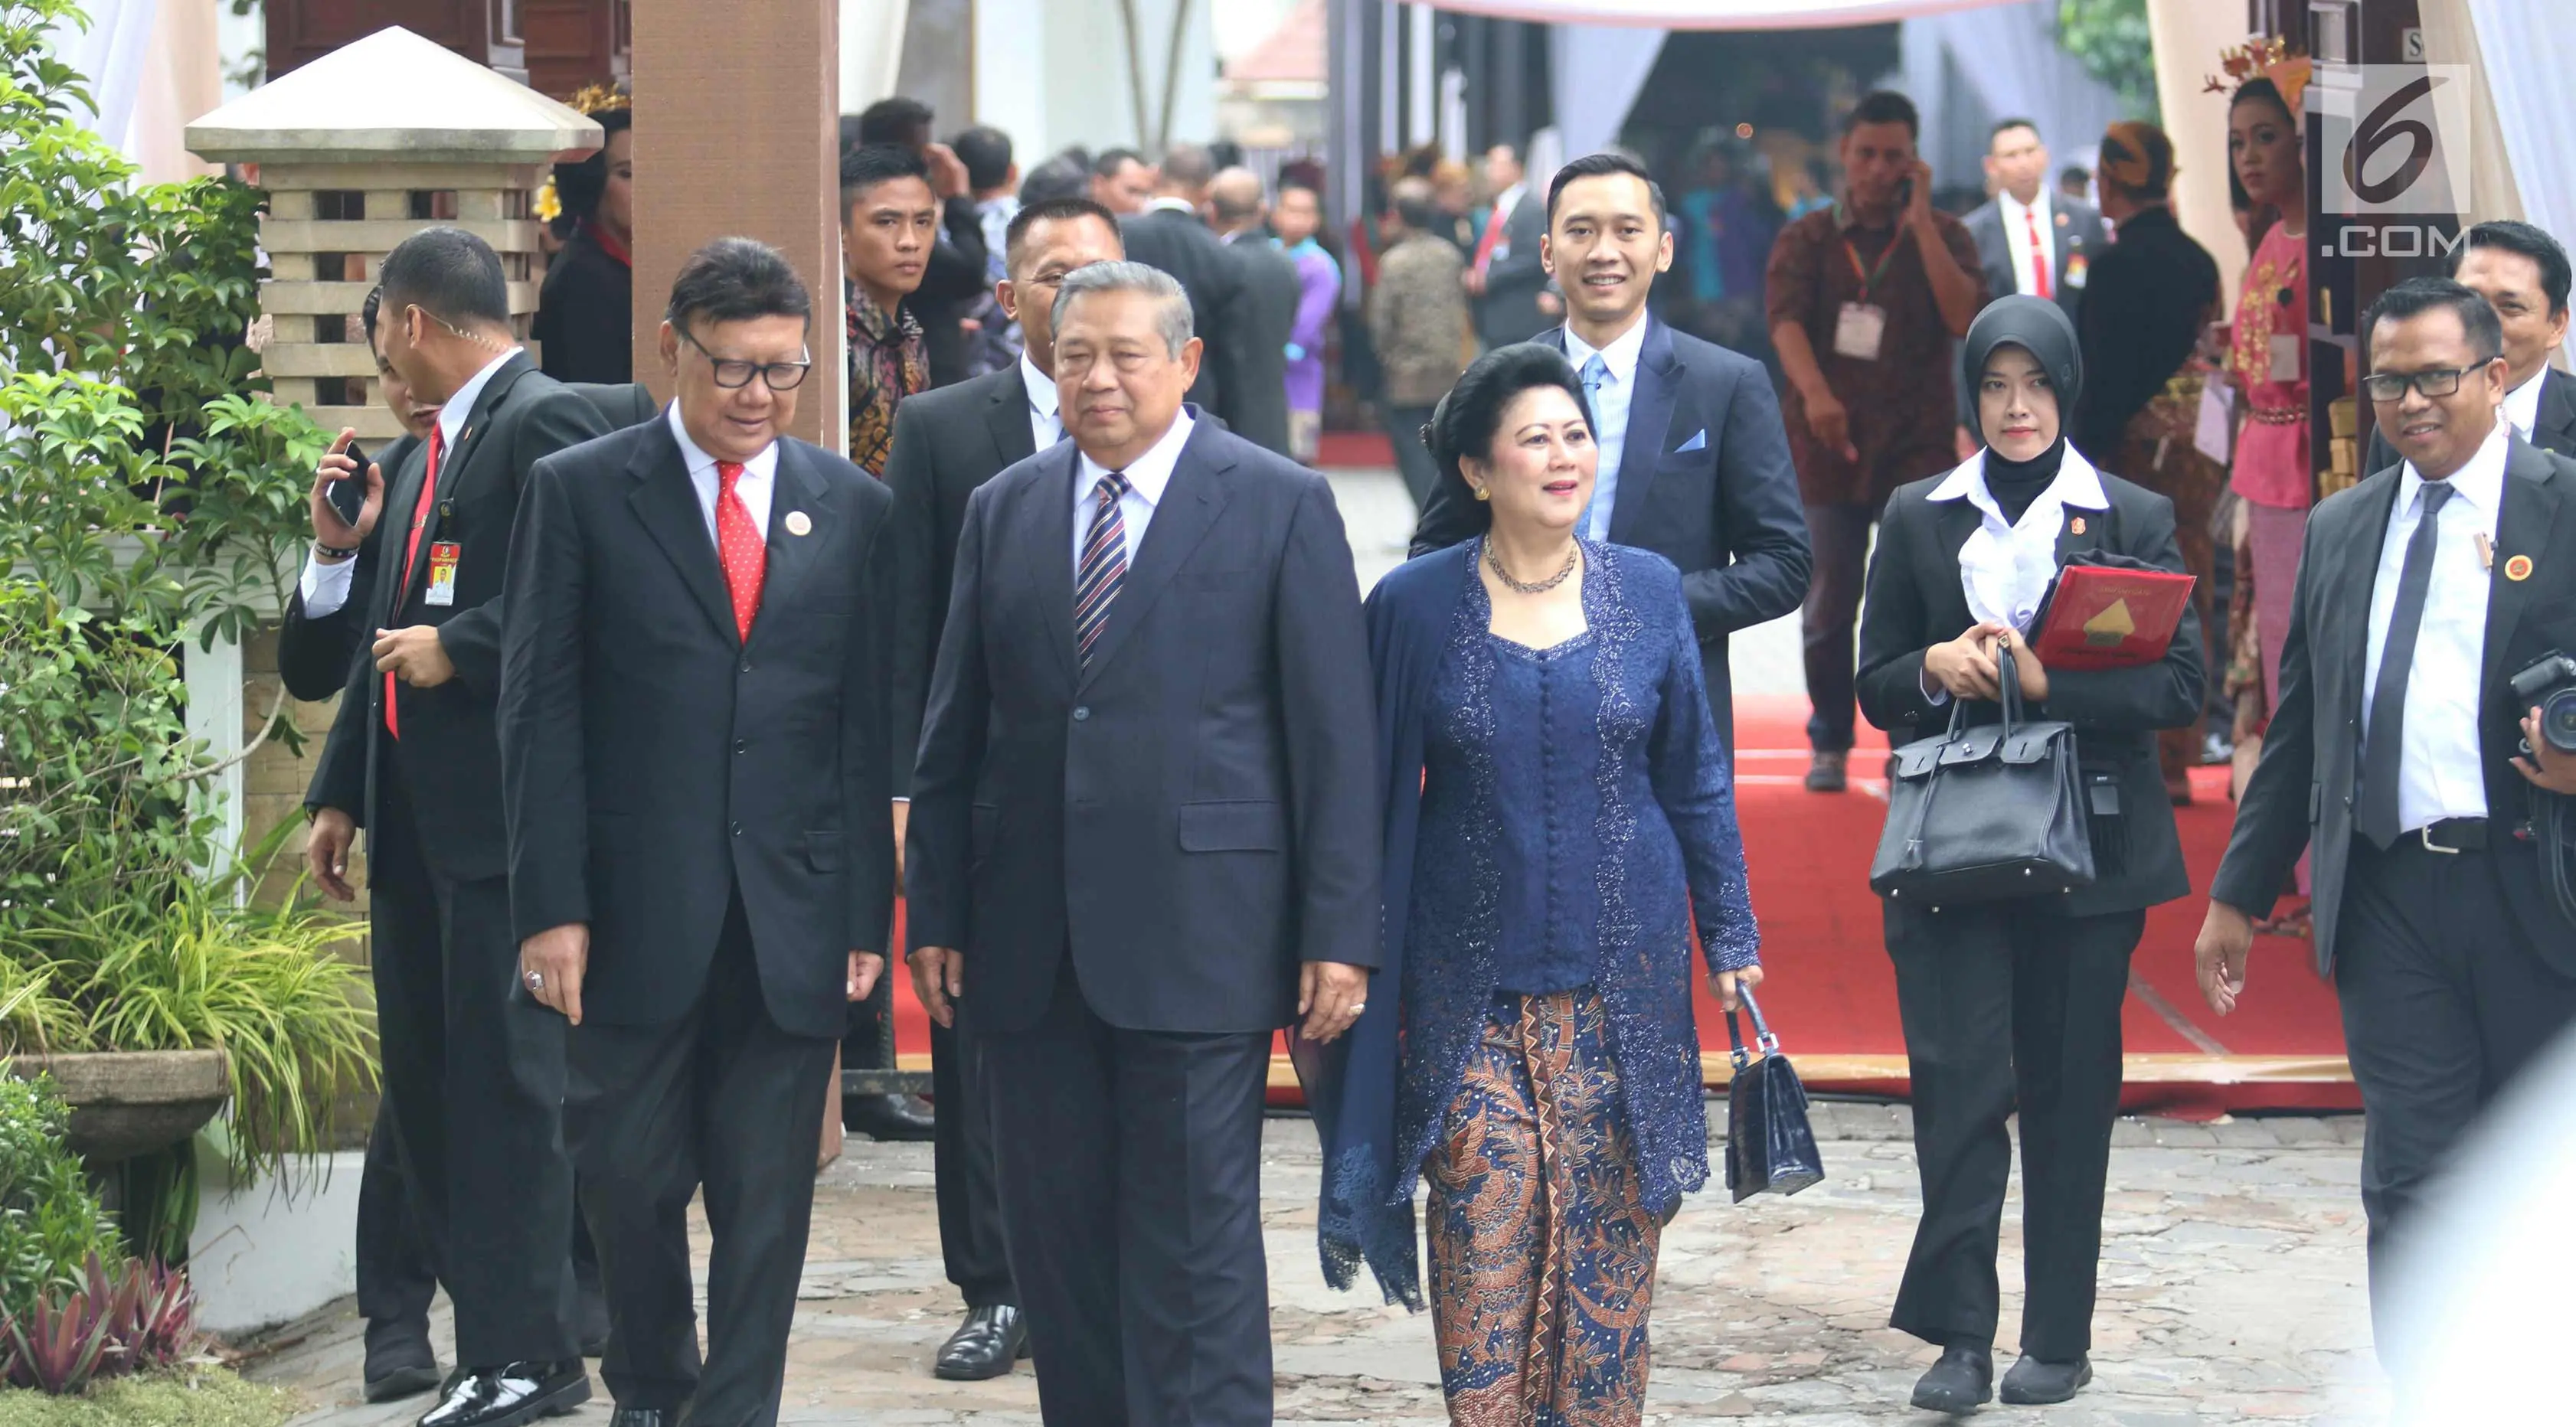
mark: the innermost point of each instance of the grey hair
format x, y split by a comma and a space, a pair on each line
1172, 317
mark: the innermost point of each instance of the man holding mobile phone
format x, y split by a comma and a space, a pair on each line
1865, 299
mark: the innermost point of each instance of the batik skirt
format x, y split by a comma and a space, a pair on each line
1542, 1249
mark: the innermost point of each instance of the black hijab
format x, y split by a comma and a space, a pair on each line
2039, 327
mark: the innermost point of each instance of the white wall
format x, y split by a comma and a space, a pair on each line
259, 1259
1054, 72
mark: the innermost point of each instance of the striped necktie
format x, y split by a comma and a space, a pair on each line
1104, 564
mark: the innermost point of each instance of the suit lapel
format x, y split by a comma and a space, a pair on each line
795, 491
2555, 430
469, 439
2524, 530
1189, 509
1650, 412
402, 496
1042, 543
1007, 417
666, 502
2354, 579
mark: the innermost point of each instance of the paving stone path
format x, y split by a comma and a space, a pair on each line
2232, 1291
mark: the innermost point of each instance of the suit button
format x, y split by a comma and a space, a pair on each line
1082, 714
746, 666
737, 829
742, 745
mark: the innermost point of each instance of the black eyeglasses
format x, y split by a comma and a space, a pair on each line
2442, 381
733, 373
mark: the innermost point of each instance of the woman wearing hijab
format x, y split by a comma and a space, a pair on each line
1558, 807
1962, 563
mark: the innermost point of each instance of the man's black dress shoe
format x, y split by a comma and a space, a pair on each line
512, 1395
1961, 1382
399, 1361
644, 1417
2033, 1383
888, 1117
985, 1345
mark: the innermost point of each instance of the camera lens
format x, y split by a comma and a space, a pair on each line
2558, 720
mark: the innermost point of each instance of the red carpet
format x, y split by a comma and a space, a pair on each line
1354, 450
1832, 999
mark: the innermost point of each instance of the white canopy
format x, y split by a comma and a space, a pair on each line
1713, 14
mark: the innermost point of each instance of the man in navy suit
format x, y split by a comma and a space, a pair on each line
1694, 460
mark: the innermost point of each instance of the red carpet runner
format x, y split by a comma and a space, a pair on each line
1832, 998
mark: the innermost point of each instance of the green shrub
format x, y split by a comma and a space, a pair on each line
50, 1222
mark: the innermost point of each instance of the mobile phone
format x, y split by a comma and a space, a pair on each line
348, 495
1904, 192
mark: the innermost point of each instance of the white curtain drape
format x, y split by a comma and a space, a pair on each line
111, 55
1968, 68
1712, 14
1595, 74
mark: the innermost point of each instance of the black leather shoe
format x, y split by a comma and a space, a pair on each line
1960, 1383
985, 1345
1827, 772
888, 1117
644, 1417
400, 1363
512, 1395
2033, 1383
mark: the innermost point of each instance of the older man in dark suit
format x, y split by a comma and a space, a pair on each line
1508, 276
947, 445
1694, 461
693, 729
1271, 291
2395, 758
1170, 233
474, 1073
1144, 837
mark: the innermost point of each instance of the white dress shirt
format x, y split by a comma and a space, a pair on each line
2441, 768
1046, 424
2005, 566
1609, 415
758, 481
2017, 220
2522, 408
325, 587
1147, 478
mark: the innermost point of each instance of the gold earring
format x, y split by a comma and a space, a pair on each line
1483, 494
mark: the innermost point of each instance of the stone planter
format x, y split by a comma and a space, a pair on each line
124, 1103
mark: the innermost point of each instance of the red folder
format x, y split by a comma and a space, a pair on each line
2098, 617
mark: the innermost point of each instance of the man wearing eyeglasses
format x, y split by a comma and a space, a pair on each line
474, 1073
693, 740
2397, 755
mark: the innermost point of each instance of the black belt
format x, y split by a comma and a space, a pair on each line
2450, 836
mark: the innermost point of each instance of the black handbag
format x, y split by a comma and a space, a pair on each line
1770, 1147
1986, 813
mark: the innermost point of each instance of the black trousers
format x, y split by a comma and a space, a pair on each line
2445, 1001
1413, 459
1131, 1199
721, 1099
1840, 537
1963, 976
969, 1190
474, 1081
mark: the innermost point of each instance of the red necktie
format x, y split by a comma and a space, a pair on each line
1493, 236
740, 546
2038, 255
411, 557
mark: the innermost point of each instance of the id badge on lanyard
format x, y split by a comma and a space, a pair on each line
1860, 329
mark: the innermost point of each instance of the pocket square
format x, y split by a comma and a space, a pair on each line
1698, 442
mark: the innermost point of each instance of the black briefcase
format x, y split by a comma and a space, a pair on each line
1986, 813
1770, 1147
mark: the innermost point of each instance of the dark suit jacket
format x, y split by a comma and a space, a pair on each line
947, 444
313, 654
953, 278
585, 324
2079, 233
2301, 794
1726, 510
448, 755
1915, 601
2148, 297
1271, 292
1180, 244
2554, 430
1514, 279
657, 763
1194, 814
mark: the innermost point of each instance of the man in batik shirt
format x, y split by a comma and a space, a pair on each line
889, 222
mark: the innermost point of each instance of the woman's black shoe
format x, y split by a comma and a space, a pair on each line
1960, 1383
2033, 1383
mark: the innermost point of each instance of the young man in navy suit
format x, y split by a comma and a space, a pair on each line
1694, 460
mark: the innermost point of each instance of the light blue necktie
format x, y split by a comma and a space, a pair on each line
1595, 372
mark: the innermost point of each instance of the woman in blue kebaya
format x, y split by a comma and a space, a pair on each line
1558, 807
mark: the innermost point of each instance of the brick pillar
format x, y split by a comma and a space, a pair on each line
737, 133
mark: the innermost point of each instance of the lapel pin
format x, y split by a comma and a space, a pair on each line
2077, 528
2518, 569
2486, 551
799, 523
